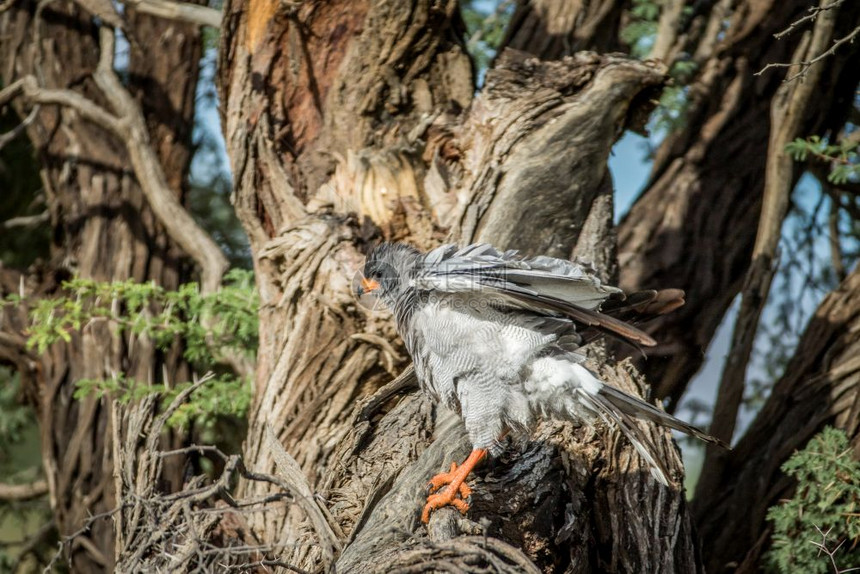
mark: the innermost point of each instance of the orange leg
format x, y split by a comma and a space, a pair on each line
455, 481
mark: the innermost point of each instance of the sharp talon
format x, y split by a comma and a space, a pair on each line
465, 491
460, 505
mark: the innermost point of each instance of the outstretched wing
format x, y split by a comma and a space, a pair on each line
542, 285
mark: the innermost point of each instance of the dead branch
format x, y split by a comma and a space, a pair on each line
180, 11
20, 492
404, 382
292, 477
814, 11
76, 537
528, 123
164, 203
29, 88
201, 527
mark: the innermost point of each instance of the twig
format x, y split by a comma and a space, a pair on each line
19, 492
26, 220
814, 11
831, 554
836, 44
805, 65
19, 129
88, 523
180, 11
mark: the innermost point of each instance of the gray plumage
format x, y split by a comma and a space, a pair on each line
496, 337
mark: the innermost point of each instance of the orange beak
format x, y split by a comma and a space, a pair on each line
369, 285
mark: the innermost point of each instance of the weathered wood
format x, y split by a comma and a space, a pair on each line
787, 110
532, 151
322, 120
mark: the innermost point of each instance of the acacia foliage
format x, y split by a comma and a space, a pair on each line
207, 327
817, 530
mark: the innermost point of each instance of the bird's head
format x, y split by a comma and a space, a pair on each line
387, 269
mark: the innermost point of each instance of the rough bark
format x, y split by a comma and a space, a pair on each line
306, 151
821, 386
338, 138
103, 229
694, 228
552, 29
695, 224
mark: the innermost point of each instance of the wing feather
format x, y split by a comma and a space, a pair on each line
543, 285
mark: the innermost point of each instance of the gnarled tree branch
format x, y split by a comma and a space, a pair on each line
180, 11
787, 110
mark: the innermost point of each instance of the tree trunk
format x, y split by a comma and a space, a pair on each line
348, 123
104, 230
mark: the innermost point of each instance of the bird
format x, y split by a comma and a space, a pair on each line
498, 337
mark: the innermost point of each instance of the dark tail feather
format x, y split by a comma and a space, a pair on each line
638, 408
635, 309
637, 437
643, 305
619, 408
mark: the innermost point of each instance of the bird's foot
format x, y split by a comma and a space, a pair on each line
450, 488
446, 478
446, 493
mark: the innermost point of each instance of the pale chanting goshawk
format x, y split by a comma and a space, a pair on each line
497, 338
